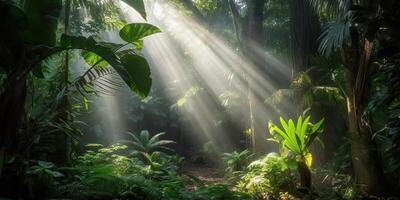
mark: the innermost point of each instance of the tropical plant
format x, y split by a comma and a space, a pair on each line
236, 161
297, 138
146, 144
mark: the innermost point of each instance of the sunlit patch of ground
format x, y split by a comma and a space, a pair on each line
205, 174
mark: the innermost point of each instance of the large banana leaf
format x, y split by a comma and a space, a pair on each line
135, 32
133, 69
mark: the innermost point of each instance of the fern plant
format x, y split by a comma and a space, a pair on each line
297, 138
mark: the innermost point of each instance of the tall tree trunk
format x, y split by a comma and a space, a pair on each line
305, 30
365, 159
63, 150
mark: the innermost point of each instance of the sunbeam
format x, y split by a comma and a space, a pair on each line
191, 56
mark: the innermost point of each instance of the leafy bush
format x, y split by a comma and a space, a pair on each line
146, 144
113, 173
267, 176
236, 161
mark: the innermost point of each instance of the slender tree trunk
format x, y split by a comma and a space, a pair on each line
249, 33
64, 140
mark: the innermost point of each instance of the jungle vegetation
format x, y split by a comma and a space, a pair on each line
199, 99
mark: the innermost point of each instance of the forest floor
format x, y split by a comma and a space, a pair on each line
206, 174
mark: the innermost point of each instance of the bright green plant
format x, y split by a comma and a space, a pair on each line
146, 144
267, 177
236, 161
297, 138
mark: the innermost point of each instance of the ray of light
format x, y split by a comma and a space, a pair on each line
188, 55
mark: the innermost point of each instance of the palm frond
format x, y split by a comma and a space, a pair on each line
335, 34
94, 81
334, 8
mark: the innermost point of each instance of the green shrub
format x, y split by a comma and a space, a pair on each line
236, 161
267, 177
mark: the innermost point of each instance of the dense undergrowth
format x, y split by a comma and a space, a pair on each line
120, 172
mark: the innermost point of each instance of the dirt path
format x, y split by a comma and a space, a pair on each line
208, 175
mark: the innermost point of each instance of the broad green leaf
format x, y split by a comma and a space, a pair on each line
287, 141
290, 142
133, 69
138, 5
292, 129
135, 32
139, 73
284, 124
298, 131
298, 125
94, 59
293, 136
